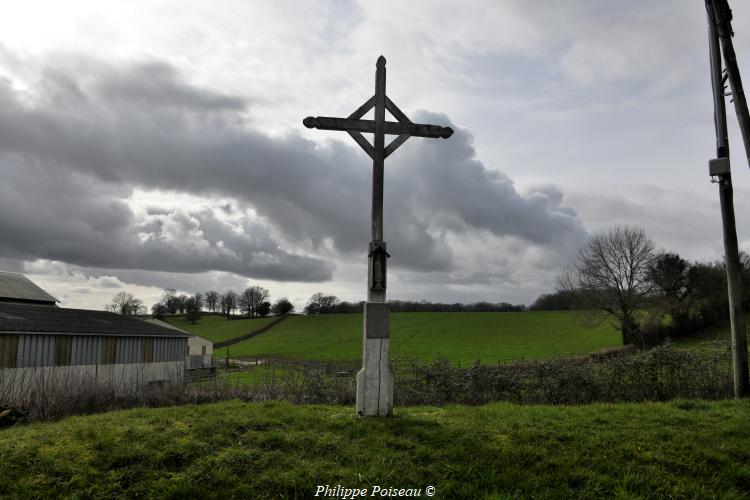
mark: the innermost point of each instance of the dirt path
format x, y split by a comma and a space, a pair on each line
250, 335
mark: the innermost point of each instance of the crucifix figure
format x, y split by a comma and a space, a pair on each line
374, 381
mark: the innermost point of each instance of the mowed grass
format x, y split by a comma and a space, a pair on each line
681, 449
217, 328
460, 337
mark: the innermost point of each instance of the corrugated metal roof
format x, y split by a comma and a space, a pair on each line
16, 286
16, 317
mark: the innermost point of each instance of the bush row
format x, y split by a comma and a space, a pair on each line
658, 374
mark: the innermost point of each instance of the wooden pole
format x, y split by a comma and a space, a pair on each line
726, 198
379, 157
722, 18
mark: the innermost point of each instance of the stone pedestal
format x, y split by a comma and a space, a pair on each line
374, 380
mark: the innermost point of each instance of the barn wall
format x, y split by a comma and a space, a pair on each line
87, 350
35, 350
128, 350
17, 382
39, 350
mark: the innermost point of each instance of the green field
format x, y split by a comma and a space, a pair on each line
461, 337
682, 449
709, 338
217, 328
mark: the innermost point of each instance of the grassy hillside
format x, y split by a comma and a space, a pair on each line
237, 450
218, 328
462, 337
708, 338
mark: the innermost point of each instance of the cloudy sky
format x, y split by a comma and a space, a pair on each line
149, 144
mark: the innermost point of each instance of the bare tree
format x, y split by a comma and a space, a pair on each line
228, 302
182, 303
158, 310
212, 301
125, 304
193, 307
251, 298
169, 299
611, 274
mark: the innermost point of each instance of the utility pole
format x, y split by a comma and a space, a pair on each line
719, 40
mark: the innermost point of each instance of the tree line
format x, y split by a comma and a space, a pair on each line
251, 302
321, 303
649, 294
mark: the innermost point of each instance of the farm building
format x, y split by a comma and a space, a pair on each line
18, 288
42, 342
200, 350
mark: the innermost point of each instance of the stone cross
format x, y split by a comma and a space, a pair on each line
374, 381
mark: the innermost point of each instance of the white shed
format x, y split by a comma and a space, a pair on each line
200, 350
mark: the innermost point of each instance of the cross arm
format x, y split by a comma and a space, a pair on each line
368, 126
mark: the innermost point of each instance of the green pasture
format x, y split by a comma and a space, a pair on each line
217, 328
713, 338
680, 449
461, 337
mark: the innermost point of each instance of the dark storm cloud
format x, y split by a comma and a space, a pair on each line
158, 84
93, 129
450, 184
57, 214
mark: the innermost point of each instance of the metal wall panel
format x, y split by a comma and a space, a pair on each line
87, 350
147, 349
35, 350
8, 351
177, 350
161, 350
128, 350
158, 350
169, 349
63, 350
39, 350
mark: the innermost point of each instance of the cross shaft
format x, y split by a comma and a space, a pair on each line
374, 381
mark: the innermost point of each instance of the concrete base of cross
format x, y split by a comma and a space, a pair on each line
374, 380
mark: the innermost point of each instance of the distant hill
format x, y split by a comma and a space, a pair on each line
461, 337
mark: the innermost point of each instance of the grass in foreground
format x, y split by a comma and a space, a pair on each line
461, 337
232, 449
217, 328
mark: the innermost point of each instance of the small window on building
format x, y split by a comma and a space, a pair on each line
63, 348
148, 350
109, 350
203, 350
8, 350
